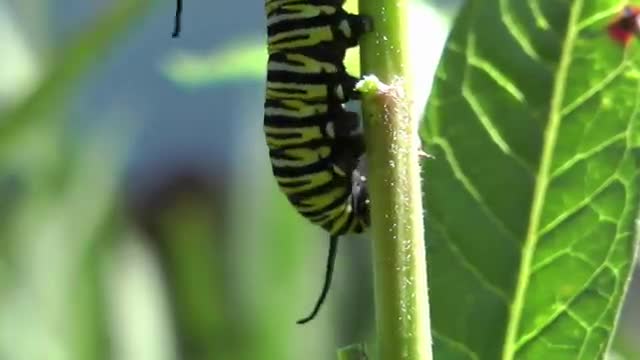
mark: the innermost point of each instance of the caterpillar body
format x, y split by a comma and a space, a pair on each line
315, 145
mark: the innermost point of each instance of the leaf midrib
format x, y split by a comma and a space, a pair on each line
542, 183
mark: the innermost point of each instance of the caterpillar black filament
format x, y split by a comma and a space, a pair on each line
177, 18
315, 145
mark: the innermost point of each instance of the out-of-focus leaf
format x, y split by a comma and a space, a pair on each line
240, 60
280, 260
533, 195
140, 315
72, 61
17, 56
50, 238
192, 258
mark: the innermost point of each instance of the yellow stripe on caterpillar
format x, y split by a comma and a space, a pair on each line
342, 217
299, 38
291, 185
300, 12
283, 90
302, 64
319, 202
271, 5
333, 214
296, 109
300, 136
302, 157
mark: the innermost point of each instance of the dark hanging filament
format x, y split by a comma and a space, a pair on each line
331, 259
176, 24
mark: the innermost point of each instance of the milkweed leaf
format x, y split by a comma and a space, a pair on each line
533, 193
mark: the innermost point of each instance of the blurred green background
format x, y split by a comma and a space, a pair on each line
138, 215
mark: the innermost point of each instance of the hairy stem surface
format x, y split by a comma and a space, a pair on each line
402, 306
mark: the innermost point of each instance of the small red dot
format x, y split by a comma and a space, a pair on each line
625, 26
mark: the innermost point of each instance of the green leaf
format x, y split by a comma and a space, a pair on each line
238, 60
18, 56
46, 222
533, 194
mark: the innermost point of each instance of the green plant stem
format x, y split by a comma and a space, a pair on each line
400, 275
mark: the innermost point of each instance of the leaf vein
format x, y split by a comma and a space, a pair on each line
593, 90
524, 339
606, 14
605, 264
456, 344
536, 11
573, 315
569, 164
492, 131
498, 77
467, 264
471, 189
511, 342
515, 30
553, 224
476, 107
551, 259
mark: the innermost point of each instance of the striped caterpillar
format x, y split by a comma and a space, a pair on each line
315, 145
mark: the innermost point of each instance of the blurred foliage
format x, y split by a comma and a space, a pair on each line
202, 266
70, 62
239, 60
56, 204
91, 271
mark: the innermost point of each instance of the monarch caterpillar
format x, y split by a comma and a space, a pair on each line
626, 25
315, 145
